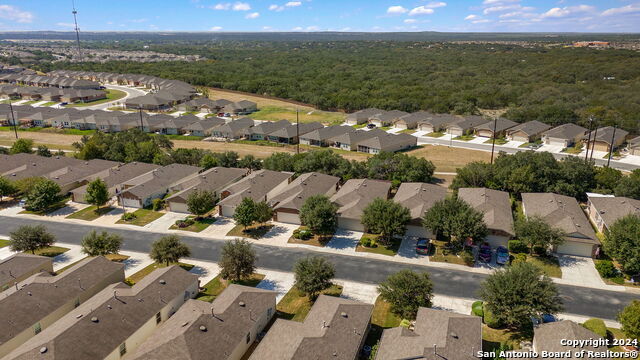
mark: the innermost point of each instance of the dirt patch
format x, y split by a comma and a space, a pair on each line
262, 101
448, 159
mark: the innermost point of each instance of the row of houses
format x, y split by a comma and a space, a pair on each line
57, 81
49, 316
50, 94
206, 105
601, 139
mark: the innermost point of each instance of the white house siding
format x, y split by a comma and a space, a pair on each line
557, 142
226, 210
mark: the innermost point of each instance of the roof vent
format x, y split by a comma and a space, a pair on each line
109, 306
203, 328
162, 282
29, 293
94, 319
43, 350
453, 335
344, 314
241, 303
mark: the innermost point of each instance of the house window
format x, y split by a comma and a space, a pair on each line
158, 318
37, 328
123, 349
248, 338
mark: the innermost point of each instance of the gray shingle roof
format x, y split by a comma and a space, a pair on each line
255, 186
566, 131
159, 180
18, 265
419, 197
292, 130
390, 142
493, 204
356, 194
328, 132
531, 128
210, 180
500, 123
547, 337
614, 208
605, 134
353, 138
303, 187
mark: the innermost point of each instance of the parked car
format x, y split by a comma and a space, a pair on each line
22, 203
545, 318
64, 103
371, 126
502, 255
423, 246
485, 252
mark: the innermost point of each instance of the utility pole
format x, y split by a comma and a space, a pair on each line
13, 119
297, 132
75, 20
613, 137
140, 110
493, 137
595, 134
586, 156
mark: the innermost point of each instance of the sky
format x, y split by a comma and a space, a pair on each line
324, 15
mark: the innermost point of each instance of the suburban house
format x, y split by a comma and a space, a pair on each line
288, 202
495, 207
386, 118
411, 121
418, 198
42, 299
262, 130
114, 178
633, 146
233, 130
321, 137
487, 129
465, 126
564, 135
387, 142
349, 141
548, 337
20, 266
604, 211
606, 138
140, 191
75, 175
289, 134
362, 116
563, 212
240, 107
177, 126
21, 166
335, 328
438, 122
212, 180
223, 329
437, 334
527, 132
204, 105
354, 196
127, 314
203, 127
259, 185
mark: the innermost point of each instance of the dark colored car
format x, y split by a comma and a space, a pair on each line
502, 255
64, 103
422, 246
371, 126
485, 252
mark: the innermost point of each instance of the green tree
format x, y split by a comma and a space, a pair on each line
606, 179
250, 162
97, 193
42, 196
100, 244
6, 187
279, 161
474, 174
456, 220
22, 146
629, 318
621, 242
43, 151
313, 275
246, 213
238, 260
407, 291
399, 167
519, 292
209, 161
228, 158
200, 202
319, 214
264, 212
534, 231
629, 186
385, 217
30, 238
169, 249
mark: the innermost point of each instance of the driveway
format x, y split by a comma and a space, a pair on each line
69, 257
131, 92
164, 222
206, 270
513, 144
278, 281
136, 262
580, 271
365, 293
278, 235
344, 241
556, 149
219, 228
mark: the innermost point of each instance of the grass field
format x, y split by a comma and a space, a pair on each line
49, 103
295, 305
448, 159
216, 286
548, 264
149, 269
143, 217
4, 243
315, 240
275, 113
90, 213
112, 95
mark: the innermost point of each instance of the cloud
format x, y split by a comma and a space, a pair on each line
312, 28
420, 10
471, 17
481, 21
237, 6
566, 11
631, 8
137, 21
221, 6
491, 2
396, 10
215, 28
501, 8
410, 21
290, 4
293, 4
297, 28
253, 15
436, 4
15, 14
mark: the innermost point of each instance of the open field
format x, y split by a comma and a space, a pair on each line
448, 159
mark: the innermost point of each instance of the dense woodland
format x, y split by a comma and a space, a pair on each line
554, 85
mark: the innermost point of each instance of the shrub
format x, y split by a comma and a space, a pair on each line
519, 258
302, 234
517, 246
597, 326
405, 323
491, 320
157, 204
366, 242
129, 216
468, 258
539, 250
476, 308
606, 269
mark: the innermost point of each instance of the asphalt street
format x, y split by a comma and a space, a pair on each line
456, 283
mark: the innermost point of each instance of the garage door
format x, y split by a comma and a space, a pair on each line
520, 138
418, 231
401, 126
601, 147
227, 211
425, 127
179, 207
496, 241
350, 224
134, 203
484, 133
557, 142
288, 218
455, 132
575, 248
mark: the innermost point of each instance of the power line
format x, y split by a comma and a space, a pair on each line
75, 20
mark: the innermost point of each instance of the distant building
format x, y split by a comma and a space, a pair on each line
634, 146
604, 139
362, 116
501, 126
527, 132
140, 191
387, 143
564, 135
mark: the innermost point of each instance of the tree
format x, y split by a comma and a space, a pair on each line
385, 217
200, 202
606, 179
6, 187
519, 292
474, 174
238, 260
209, 161
43, 151
228, 158
264, 212
313, 275
30, 238
319, 214
455, 219
534, 231
622, 243
407, 291
629, 186
100, 244
399, 167
22, 146
250, 162
97, 193
168, 249
629, 318
279, 162
245, 213
44, 194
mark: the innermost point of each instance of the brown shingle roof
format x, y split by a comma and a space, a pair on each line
614, 208
547, 337
419, 197
493, 204
210, 180
530, 128
255, 186
566, 131
356, 194
303, 187
160, 180
18, 265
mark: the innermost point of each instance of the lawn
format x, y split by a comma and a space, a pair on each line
359, 126
50, 103
613, 333
382, 318
112, 95
90, 213
493, 338
49, 130
213, 288
385, 128
407, 131
548, 264
143, 217
276, 113
57, 206
4, 243
295, 305
30, 102
149, 269
464, 137
315, 240
390, 250
184, 137
49, 251
537, 142
499, 141
197, 226
440, 254
254, 231
573, 150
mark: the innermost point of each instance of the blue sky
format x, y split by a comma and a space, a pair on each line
323, 15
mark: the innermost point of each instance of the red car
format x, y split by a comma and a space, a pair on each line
423, 246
